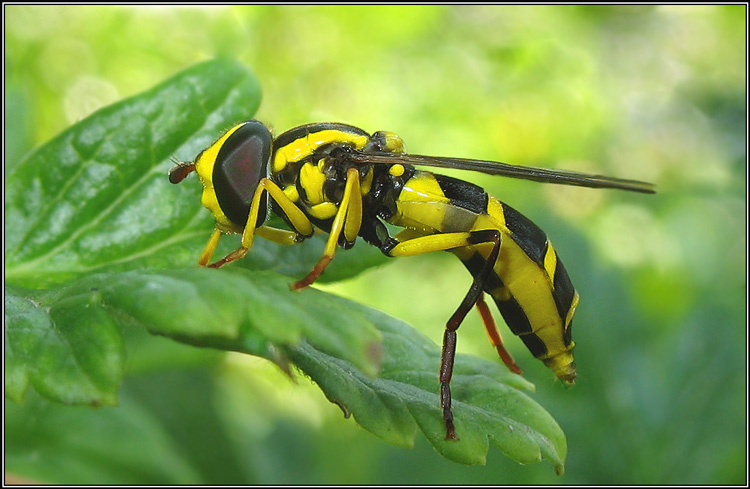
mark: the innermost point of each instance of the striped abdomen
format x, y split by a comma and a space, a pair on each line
530, 286
528, 282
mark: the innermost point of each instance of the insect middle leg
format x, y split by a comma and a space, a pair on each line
445, 242
348, 220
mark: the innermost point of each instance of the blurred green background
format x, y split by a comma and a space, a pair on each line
646, 92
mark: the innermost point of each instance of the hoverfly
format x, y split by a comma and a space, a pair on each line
347, 182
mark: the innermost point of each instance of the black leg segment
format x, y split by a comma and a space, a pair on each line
449, 338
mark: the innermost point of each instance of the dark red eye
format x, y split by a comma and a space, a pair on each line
240, 164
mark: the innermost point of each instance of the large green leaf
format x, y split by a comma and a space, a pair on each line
97, 242
69, 349
96, 197
334, 341
488, 401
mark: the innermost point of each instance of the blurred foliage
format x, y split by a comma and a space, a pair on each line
650, 92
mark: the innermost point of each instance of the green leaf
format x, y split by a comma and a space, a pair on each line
238, 310
68, 346
96, 197
69, 350
488, 402
255, 312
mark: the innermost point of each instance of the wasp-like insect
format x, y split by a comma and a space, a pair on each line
346, 182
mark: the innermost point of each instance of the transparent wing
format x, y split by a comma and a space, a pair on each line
545, 175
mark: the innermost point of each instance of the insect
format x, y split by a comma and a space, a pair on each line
347, 182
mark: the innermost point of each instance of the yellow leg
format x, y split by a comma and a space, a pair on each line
281, 236
430, 243
348, 220
353, 220
298, 219
210, 248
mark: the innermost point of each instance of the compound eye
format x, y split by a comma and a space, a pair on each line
240, 164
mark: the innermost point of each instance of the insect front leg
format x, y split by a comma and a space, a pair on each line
208, 251
297, 218
444, 242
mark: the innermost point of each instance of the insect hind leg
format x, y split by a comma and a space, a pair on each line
473, 296
449, 242
494, 334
